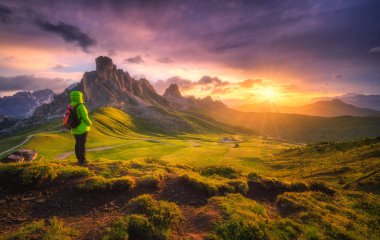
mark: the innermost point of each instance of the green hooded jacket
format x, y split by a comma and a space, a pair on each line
76, 98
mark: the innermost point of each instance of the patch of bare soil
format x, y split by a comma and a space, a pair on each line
176, 191
197, 222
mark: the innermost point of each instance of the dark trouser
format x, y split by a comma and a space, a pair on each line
80, 147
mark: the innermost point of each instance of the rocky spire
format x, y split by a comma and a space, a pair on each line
173, 91
104, 64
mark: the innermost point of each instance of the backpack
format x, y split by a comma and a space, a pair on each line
70, 119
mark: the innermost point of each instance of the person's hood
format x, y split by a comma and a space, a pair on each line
76, 97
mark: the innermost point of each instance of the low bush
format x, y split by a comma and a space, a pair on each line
150, 181
239, 186
38, 174
95, 184
53, 229
210, 187
27, 174
117, 231
151, 219
73, 172
222, 171
122, 183
139, 227
238, 230
253, 176
153, 160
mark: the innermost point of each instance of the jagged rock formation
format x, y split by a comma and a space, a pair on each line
177, 101
172, 91
109, 86
22, 104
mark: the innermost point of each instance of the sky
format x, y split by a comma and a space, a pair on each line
238, 51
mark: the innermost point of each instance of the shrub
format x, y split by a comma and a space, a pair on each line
33, 230
240, 186
238, 230
53, 229
161, 213
38, 174
153, 160
94, 184
151, 219
207, 187
139, 227
253, 176
122, 183
72, 172
223, 171
117, 231
150, 181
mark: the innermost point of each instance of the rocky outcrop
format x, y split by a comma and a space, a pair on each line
109, 86
106, 86
23, 104
177, 101
172, 91
22, 155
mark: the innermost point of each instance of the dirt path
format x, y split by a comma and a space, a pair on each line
25, 141
66, 154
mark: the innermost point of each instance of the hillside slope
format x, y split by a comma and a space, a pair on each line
327, 108
348, 165
300, 128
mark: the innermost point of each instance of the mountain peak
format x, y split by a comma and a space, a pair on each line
104, 64
173, 91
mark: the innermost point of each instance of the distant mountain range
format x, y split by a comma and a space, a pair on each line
326, 108
22, 104
358, 100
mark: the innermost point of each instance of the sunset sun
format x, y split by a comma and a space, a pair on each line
269, 94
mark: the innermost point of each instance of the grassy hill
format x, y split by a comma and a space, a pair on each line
143, 184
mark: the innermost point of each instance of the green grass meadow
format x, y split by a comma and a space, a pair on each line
263, 189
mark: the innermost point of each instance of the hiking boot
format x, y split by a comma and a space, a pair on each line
83, 163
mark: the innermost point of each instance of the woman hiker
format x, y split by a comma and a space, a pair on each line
81, 131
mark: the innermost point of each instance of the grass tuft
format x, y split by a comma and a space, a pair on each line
222, 171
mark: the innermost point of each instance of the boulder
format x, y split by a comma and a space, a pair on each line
21, 155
